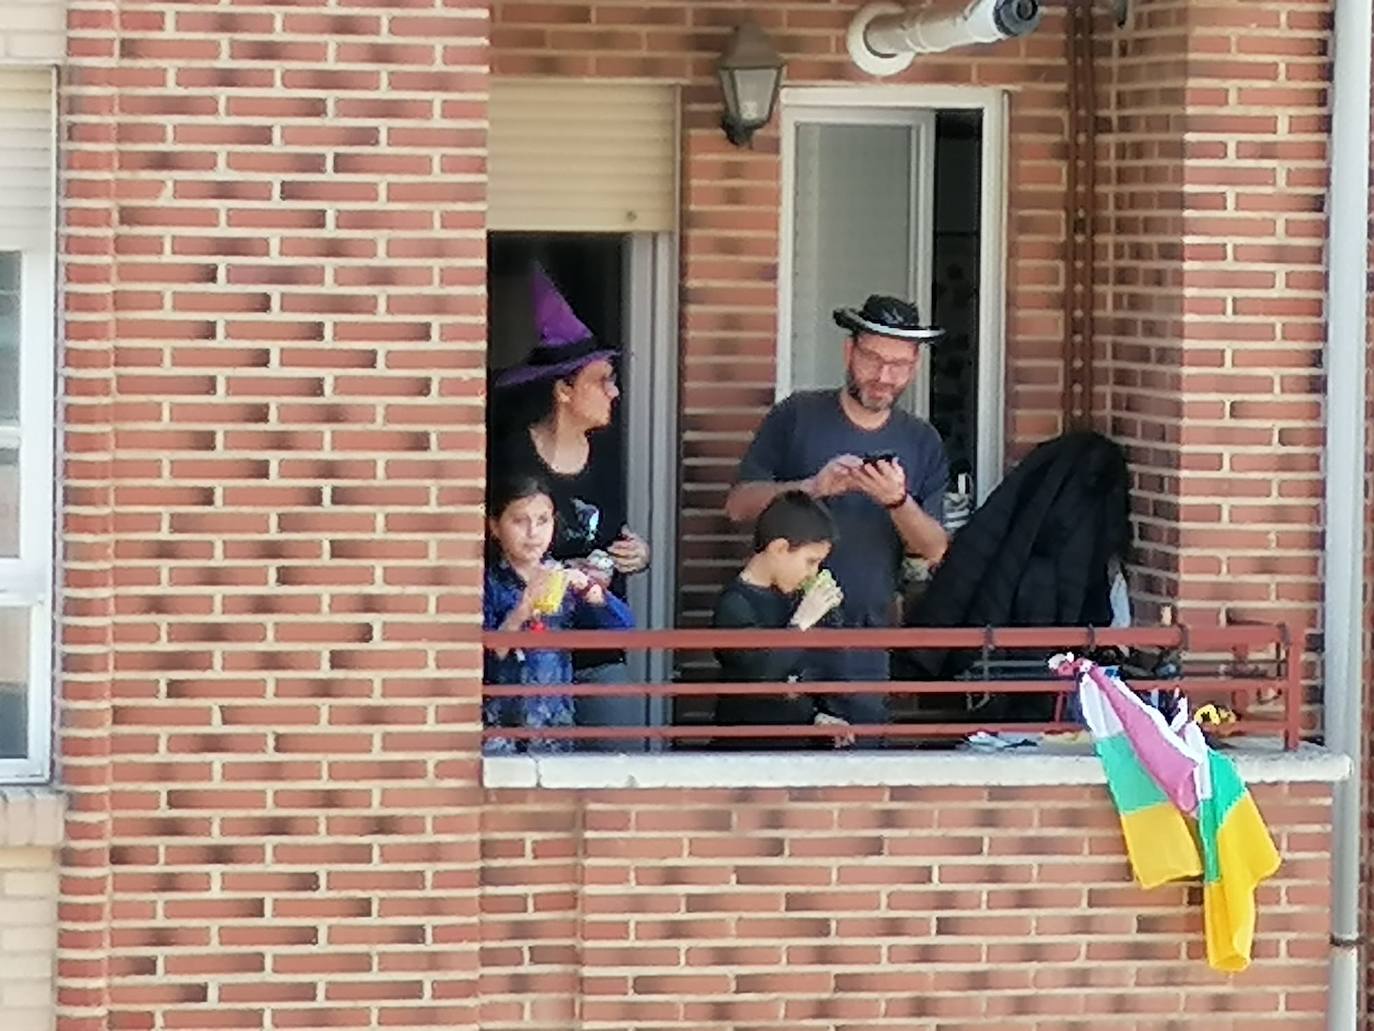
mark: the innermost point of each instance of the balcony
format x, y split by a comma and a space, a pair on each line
1255, 671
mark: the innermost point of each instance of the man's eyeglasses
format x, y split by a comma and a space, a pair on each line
878, 364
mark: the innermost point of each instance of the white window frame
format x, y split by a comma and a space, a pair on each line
847, 104
651, 277
27, 581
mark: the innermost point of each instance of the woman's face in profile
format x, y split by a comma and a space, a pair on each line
591, 394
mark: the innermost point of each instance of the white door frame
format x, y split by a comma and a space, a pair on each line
922, 121
847, 104
651, 375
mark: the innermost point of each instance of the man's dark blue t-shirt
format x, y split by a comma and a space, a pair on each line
804, 432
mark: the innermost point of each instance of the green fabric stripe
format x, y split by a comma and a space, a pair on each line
1227, 790
1132, 788
1227, 787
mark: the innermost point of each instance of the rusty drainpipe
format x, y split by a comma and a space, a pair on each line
1080, 216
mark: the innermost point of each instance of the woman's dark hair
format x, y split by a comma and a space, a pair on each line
506, 490
514, 409
795, 517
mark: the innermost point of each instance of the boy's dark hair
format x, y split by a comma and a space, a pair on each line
506, 490
795, 517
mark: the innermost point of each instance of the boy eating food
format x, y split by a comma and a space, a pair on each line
781, 586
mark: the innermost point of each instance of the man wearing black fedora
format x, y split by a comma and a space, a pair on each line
881, 471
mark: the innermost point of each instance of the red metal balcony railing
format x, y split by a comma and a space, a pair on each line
1233, 666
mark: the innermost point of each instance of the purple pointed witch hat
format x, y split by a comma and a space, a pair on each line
564, 343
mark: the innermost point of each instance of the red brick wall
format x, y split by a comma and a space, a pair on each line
865, 907
729, 244
1216, 169
1142, 88
274, 312
1253, 338
274, 271
1212, 130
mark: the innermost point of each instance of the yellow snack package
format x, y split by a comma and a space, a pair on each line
552, 599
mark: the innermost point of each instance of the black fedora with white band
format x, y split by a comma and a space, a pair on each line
888, 317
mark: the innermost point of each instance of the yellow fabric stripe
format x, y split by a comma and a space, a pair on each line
1160, 845
1246, 856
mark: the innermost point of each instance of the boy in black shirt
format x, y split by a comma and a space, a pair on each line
780, 586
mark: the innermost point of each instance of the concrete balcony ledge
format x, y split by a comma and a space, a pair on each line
1021, 767
31, 817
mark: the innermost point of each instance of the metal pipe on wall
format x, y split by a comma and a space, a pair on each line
1347, 347
884, 37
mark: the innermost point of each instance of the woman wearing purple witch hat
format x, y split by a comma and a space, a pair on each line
571, 376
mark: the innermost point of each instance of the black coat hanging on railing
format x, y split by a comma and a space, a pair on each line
1036, 553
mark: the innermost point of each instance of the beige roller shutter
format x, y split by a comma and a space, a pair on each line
577, 155
27, 157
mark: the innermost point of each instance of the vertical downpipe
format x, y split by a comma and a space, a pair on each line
1347, 264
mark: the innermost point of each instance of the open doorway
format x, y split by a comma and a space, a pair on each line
955, 267
622, 286
900, 191
588, 270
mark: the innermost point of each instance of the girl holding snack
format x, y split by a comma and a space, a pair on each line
571, 444
524, 590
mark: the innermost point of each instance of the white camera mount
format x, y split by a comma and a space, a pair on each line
885, 37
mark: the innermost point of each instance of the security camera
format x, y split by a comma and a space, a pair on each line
884, 38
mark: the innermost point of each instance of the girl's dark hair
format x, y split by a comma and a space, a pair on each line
506, 490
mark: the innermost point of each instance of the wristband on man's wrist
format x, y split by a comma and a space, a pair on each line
894, 505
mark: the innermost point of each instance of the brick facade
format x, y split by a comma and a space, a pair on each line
1214, 217
273, 265
33, 31
1212, 164
869, 908
729, 247
274, 269
28, 937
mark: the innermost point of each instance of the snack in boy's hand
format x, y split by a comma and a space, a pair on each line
820, 594
823, 578
555, 587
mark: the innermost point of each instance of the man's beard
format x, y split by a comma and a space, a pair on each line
855, 392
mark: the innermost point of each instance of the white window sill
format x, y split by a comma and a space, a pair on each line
1014, 768
31, 817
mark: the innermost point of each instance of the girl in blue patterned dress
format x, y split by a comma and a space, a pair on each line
517, 596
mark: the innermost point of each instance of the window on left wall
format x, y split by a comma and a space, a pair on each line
27, 421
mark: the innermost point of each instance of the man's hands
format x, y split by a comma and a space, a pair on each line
884, 482
835, 477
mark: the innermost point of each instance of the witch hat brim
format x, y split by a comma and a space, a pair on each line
564, 344
571, 358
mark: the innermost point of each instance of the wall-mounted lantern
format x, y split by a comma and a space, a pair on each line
750, 73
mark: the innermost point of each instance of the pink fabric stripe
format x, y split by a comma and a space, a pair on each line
1159, 750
